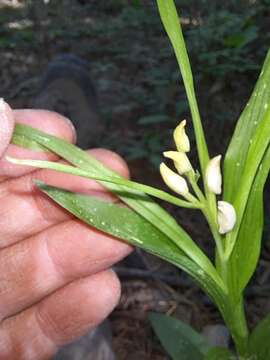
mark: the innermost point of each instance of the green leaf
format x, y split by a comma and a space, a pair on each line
134, 229
247, 248
256, 152
178, 339
171, 22
218, 353
114, 180
237, 152
248, 159
259, 345
24, 142
137, 200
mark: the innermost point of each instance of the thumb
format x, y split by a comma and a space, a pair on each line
6, 125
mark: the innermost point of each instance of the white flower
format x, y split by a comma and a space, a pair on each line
180, 137
181, 161
226, 217
213, 175
174, 181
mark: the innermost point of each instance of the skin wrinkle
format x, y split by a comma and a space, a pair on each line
84, 264
46, 322
52, 268
14, 346
59, 325
44, 334
57, 269
28, 277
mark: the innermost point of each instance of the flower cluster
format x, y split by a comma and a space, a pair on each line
175, 181
226, 216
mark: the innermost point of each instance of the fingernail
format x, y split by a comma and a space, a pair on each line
72, 127
3, 109
5, 114
6, 125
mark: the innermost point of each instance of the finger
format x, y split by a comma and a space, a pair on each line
36, 267
6, 125
36, 333
47, 121
26, 211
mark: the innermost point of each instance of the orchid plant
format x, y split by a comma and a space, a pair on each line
232, 205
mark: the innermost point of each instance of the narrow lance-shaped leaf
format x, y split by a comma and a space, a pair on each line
259, 345
137, 200
178, 339
257, 150
236, 154
171, 22
246, 251
126, 224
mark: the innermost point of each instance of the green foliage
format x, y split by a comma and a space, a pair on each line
245, 156
179, 339
182, 342
221, 43
259, 345
218, 353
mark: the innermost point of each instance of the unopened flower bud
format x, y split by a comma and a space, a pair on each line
181, 161
174, 181
213, 175
180, 137
226, 217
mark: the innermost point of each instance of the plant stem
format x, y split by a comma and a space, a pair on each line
234, 314
236, 322
212, 222
196, 188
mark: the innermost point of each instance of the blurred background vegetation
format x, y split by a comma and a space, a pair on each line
140, 93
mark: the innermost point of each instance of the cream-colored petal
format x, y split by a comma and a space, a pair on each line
213, 175
174, 181
180, 137
226, 217
181, 161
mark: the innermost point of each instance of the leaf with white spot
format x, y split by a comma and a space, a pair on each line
237, 151
246, 168
127, 225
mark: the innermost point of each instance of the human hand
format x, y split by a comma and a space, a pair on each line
54, 282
